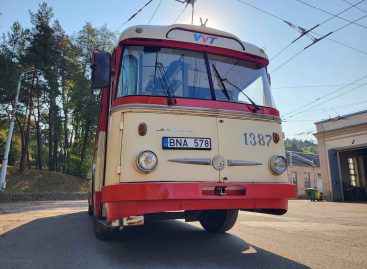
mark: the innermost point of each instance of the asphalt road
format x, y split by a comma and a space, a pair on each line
310, 235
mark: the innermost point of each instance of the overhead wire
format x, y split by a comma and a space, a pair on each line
155, 11
326, 95
337, 15
284, 20
342, 27
313, 86
320, 110
355, 7
287, 61
136, 13
179, 15
315, 41
353, 89
334, 15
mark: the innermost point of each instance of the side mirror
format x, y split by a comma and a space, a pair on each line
101, 69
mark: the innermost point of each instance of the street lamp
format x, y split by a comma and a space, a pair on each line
10, 133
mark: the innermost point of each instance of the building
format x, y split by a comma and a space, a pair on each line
342, 144
304, 171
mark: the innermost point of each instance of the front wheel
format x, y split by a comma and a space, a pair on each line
101, 231
218, 221
90, 210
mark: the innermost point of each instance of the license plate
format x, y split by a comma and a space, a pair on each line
186, 143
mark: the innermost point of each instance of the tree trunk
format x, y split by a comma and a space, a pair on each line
22, 156
50, 141
85, 141
29, 122
66, 130
38, 135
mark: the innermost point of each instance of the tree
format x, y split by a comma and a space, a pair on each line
58, 108
300, 146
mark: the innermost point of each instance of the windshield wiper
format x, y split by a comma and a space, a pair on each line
166, 84
256, 107
220, 80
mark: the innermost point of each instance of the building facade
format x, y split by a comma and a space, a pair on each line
304, 171
342, 145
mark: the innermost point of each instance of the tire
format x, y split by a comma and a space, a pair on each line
90, 210
218, 221
101, 231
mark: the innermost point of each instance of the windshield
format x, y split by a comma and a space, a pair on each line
156, 71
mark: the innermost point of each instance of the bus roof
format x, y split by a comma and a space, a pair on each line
193, 34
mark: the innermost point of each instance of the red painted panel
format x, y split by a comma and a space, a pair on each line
197, 47
131, 199
117, 210
102, 125
186, 102
193, 190
97, 203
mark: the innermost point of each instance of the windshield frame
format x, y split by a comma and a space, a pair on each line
206, 50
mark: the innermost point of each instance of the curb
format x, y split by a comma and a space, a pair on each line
14, 197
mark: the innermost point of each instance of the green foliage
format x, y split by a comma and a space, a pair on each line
9, 78
300, 146
58, 110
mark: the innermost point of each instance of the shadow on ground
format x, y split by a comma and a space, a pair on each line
68, 241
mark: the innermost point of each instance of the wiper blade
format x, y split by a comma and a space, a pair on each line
220, 80
234, 86
166, 84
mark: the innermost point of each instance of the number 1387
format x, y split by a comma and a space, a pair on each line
257, 139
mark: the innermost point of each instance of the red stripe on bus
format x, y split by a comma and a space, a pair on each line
118, 210
186, 102
102, 125
197, 47
193, 190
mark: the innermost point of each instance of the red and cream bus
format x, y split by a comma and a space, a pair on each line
187, 130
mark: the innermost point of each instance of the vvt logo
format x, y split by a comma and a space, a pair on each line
205, 38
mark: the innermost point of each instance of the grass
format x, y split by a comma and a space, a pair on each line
43, 182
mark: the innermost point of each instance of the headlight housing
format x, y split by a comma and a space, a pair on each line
278, 164
146, 161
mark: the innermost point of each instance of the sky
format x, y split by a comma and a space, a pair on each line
312, 86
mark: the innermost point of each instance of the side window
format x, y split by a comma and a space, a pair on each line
128, 77
307, 180
294, 178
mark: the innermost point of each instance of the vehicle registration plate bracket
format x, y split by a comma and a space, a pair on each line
188, 143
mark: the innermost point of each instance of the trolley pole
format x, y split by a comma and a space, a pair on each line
10, 133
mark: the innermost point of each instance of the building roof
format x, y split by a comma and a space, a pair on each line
193, 34
296, 158
342, 117
341, 122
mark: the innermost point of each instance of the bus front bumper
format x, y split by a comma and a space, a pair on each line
132, 199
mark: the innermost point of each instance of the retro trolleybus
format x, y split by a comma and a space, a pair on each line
187, 130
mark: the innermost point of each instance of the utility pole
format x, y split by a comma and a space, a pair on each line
10, 133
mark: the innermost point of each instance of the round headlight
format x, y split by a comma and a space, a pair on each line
146, 161
278, 164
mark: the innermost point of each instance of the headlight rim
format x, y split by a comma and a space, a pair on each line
140, 167
272, 166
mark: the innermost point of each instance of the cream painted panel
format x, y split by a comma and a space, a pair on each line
186, 126
232, 146
113, 148
99, 165
353, 140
